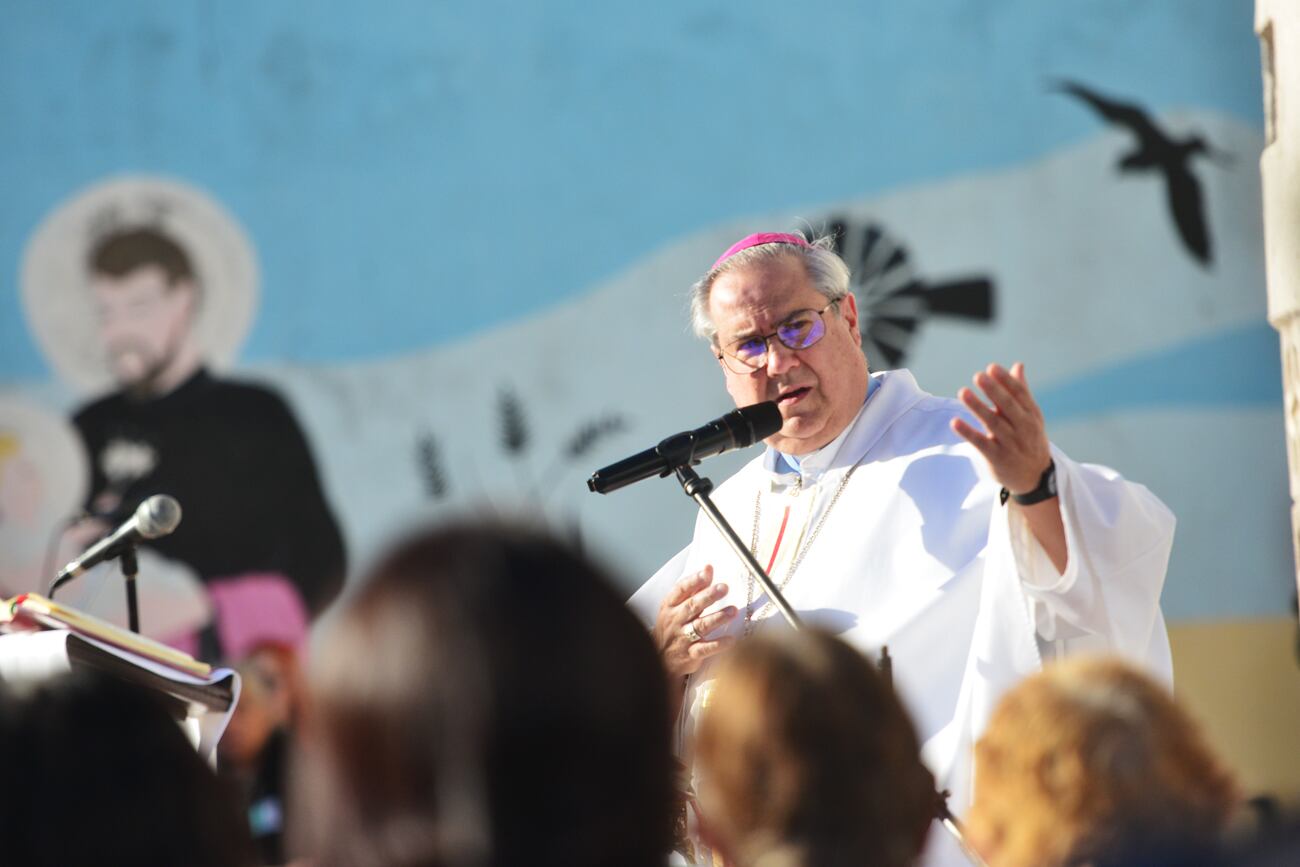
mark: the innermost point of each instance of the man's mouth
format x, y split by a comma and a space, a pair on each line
793, 395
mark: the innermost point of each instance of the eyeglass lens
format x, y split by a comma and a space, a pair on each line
800, 330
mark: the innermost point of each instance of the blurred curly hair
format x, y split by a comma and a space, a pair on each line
1090, 761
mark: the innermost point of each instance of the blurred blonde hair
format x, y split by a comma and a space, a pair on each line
806, 757
1091, 760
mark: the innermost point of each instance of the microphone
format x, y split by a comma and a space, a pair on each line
737, 429
153, 519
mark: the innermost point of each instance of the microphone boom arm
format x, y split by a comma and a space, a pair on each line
698, 489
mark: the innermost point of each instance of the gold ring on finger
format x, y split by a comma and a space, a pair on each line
692, 634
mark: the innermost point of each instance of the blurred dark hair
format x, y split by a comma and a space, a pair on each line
485, 698
121, 252
806, 755
99, 772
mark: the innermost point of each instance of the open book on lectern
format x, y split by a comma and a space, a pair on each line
41, 639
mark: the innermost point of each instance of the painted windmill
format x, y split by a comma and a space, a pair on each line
892, 299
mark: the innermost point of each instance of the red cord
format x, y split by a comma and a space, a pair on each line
779, 535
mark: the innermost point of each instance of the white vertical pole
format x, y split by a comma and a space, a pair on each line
1277, 23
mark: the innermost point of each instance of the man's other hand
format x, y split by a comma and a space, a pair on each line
684, 650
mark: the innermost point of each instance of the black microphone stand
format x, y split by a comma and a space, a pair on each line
130, 569
679, 453
954, 827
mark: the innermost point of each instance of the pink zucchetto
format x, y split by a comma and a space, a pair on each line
757, 240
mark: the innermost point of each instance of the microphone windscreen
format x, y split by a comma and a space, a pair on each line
761, 421
157, 516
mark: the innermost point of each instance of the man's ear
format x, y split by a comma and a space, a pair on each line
849, 310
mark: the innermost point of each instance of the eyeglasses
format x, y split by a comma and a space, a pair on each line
800, 330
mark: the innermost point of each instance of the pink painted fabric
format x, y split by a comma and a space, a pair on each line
252, 610
758, 239
256, 609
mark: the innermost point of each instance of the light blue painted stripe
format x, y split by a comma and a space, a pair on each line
1235, 367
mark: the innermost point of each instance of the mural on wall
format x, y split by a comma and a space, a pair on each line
140, 290
1143, 359
1130, 342
469, 296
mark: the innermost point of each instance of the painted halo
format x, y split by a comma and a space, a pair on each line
55, 284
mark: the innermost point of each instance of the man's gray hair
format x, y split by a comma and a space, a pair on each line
829, 274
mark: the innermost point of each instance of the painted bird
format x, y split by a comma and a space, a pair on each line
1156, 151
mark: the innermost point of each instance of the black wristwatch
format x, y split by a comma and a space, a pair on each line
1045, 491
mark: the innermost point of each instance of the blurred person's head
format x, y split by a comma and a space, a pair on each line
807, 758
1090, 761
485, 698
99, 772
146, 297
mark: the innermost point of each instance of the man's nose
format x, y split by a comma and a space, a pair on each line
780, 357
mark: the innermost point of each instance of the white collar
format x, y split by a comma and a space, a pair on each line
896, 396
814, 465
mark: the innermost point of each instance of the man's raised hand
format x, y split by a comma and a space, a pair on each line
1014, 439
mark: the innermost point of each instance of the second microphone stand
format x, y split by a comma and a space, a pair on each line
130, 564
130, 568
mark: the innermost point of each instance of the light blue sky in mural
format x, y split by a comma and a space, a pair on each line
1233, 368
415, 172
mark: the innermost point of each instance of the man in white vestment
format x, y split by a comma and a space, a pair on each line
951, 531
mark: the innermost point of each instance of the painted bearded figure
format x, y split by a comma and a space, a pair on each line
257, 529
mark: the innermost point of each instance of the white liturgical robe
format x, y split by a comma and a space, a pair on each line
917, 554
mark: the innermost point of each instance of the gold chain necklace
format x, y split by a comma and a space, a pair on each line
750, 617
